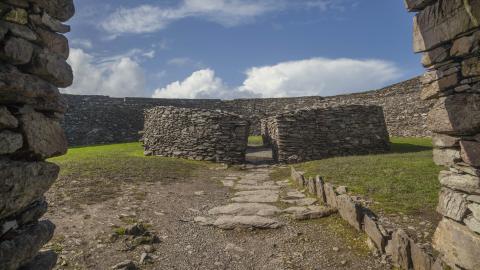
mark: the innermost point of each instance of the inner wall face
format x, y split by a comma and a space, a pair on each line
33, 53
196, 134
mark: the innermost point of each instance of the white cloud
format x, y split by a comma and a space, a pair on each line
319, 77
116, 77
311, 77
81, 43
152, 18
201, 84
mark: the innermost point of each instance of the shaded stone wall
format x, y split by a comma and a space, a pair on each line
100, 119
318, 133
195, 134
33, 55
447, 33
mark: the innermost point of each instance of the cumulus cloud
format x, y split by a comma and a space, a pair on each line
201, 84
152, 18
311, 77
116, 77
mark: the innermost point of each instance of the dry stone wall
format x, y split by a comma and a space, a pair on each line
33, 55
317, 133
100, 119
195, 134
448, 35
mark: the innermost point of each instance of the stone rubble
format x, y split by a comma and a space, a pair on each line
33, 55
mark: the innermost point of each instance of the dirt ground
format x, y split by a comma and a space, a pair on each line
91, 235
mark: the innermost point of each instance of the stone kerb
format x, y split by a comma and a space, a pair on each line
33, 54
317, 133
448, 35
402, 250
196, 134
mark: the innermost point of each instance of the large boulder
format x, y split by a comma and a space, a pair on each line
59, 9
22, 183
51, 67
458, 244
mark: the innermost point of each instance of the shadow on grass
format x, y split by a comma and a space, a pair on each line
401, 148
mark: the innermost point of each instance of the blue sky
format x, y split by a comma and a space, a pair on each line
239, 48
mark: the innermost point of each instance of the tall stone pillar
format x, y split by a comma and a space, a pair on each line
447, 33
33, 54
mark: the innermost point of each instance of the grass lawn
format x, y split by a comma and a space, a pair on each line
255, 140
404, 180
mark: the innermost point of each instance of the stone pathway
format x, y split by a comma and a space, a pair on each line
258, 202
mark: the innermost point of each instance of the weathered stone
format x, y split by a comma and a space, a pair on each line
466, 169
474, 198
475, 208
399, 248
54, 42
443, 21
258, 198
435, 56
471, 67
341, 190
472, 223
351, 211
246, 209
17, 15
298, 177
434, 89
456, 115
54, 25
301, 202
232, 222
445, 141
313, 212
32, 213
330, 195
470, 153
17, 51
10, 142
416, 5
294, 195
312, 189
18, 30
25, 245
420, 259
374, 233
21, 88
45, 260
22, 183
59, 9
446, 156
51, 67
267, 192
259, 187
7, 120
440, 264
462, 182
319, 183
465, 45
452, 204
458, 244
44, 136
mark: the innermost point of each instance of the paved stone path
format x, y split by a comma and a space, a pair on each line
256, 202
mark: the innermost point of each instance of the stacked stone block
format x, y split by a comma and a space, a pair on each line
33, 54
448, 35
318, 133
195, 134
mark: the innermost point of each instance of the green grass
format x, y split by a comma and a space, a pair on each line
255, 140
404, 180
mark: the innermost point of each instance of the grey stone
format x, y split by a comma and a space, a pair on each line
465, 45
232, 222
259, 198
53, 24
45, 260
434, 89
311, 212
44, 136
461, 182
298, 177
10, 142
420, 259
301, 202
51, 67
470, 153
474, 198
458, 244
21, 31
330, 195
445, 141
17, 51
59, 9
466, 169
246, 209
341, 190
473, 224
350, 211
399, 248
7, 120
319, 183
204, 221
56, 43
294, 195
475, 209
374, 233
25, 245
136, 229
268, 192
446, 156
471, 67
22, 183
435, 56
259, 187
416, 5
312, 189
452, 204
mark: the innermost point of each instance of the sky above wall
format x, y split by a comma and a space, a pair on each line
239, 48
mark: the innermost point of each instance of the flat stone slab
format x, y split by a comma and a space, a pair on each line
204, 221
301, 202
246, 209
259, 198
248, 182
294, 195
257, 192
284, 183
314, 212
250, 187
228, 183
258, 222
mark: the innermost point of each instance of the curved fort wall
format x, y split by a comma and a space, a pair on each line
100, 119
195, 134
33, 55
318, 133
